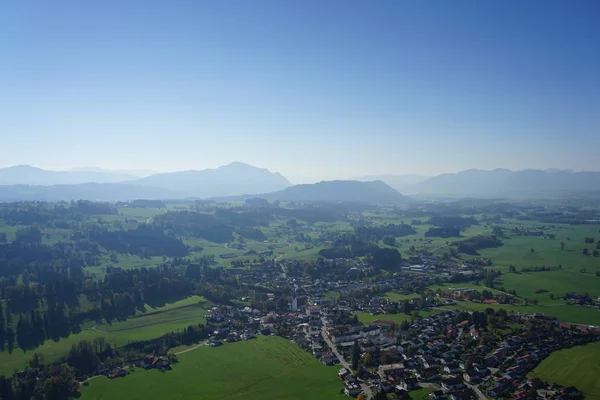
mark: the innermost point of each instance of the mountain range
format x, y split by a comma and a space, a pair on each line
29, 183
28, 175
398, 182
228, 180
505, 183
238, 179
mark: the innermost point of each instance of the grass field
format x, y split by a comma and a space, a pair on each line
578, 366
420, 394
367, 318
154, 323
567, 313
265, 368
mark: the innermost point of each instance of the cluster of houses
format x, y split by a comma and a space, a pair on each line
459, 359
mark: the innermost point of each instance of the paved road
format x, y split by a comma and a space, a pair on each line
478, 392
364, 386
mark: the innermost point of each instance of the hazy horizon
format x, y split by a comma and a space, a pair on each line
312, 90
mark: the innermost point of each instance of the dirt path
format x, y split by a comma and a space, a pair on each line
190, 349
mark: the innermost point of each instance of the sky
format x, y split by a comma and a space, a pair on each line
311, 89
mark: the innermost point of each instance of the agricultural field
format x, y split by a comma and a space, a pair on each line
264, 368
578, 366
366, 318
567, 313
154, 323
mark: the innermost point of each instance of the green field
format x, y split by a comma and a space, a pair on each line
420, 394
567, 313
154, 323
367, 318
578, 366
264, 368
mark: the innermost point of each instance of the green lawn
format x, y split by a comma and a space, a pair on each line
392, 296
578, 366
420, 394
264, 368
156, 322
332, 295
367, 318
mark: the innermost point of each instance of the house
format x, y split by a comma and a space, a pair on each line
471, 377
452, 384
117, 372
465, 394
451, 368
313, 311
407, 384
535, 383
352, 389
343, 373
570, 391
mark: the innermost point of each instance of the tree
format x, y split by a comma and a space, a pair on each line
596, 253
381, 395
389, 240
585, 251
355, 355
532, 250
37, 360
512, 268
562, 245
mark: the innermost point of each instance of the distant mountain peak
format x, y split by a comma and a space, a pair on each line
374, 192
236, 178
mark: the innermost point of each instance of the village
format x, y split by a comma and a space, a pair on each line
453, 353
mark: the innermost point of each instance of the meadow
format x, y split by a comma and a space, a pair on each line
567, 313
265, 368
156, 322
578, 366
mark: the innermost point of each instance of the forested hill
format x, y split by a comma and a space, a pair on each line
375, 192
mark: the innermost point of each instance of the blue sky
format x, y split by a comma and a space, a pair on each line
312, 89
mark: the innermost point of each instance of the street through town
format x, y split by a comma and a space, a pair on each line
366, 389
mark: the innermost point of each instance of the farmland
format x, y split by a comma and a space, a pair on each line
263, 368
579, 366
144, 326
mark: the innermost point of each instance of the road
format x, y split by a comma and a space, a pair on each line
478, 392
366, 389
190, 349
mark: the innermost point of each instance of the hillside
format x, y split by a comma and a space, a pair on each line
88, 191
398, 182
28, 175
228, 180
375, 192
506, 183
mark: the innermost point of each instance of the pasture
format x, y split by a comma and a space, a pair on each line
564, 312
578, 366
264, 368
156, 322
